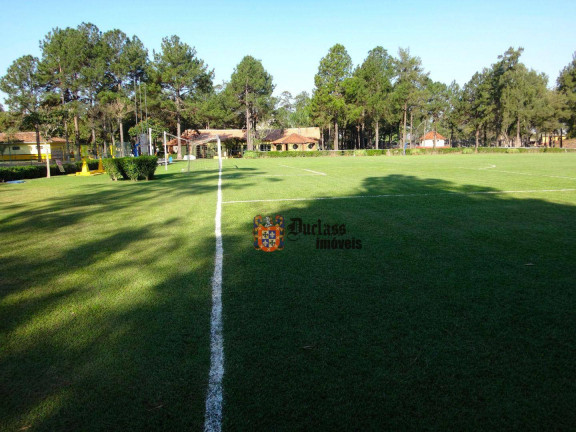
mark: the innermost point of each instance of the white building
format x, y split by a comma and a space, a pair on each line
428, 140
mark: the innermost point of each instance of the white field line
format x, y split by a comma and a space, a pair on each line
491, 168
214, 399
303, 169
276, 175
402, 195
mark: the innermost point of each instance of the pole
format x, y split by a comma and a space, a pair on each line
165, 154
150, 141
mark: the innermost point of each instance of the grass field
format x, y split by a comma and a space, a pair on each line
458, 312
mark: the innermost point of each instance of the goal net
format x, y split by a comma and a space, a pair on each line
197, 155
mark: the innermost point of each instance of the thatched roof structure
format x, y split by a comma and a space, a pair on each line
307, 135
204, 135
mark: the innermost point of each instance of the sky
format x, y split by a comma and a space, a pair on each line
454, 39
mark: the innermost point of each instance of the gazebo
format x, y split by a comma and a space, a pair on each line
295, 142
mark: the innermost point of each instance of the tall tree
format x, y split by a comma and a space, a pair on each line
377, 72
437, 104
567, 85
410, 79
250, 89
63, 56
333, 70
22, 85
477, 103
183, 76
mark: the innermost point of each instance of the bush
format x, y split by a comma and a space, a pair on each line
23, 172
133, 168
360, 152
467, 150
512, 150
113, 167
250, 154
375, 152
147, 166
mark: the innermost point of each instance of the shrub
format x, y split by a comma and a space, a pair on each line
250, 154
375, 152
22, 172
360, 152
138, 168
467, 150
147, 166
113, 168
512, 150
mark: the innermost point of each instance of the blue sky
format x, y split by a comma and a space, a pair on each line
454, 39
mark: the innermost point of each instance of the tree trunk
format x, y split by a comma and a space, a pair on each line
77, 135
434, 140
411, 128
248, 122
94, 139
518, 140
477, 139
404, 128
38, 143
377, 135
113, 152
178, 130
335, 135
121, 127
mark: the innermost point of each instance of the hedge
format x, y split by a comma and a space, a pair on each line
24, 172
113, 168
131, 168
399, 152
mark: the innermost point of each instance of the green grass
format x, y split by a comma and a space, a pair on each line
458, 313
105, 302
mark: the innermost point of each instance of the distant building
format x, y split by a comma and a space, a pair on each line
295, 139
22, 146
428, 140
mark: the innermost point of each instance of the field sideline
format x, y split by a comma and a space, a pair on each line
457, 311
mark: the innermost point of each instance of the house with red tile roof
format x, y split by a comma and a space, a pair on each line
428, 140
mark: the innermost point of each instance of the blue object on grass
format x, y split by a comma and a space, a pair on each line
16, 181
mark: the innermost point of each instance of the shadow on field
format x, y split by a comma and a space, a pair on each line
456, 314
105, 301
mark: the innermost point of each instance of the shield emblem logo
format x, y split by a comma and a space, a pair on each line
268, 235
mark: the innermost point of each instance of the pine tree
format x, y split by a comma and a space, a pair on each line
250, 90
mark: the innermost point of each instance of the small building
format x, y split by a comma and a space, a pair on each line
21, 146
427, 140
293, 139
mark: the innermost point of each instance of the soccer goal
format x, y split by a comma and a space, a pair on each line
199, 155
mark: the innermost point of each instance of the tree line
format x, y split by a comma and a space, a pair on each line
93, 87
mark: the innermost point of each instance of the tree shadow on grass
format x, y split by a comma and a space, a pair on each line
456, 314
436, 323
104, 307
